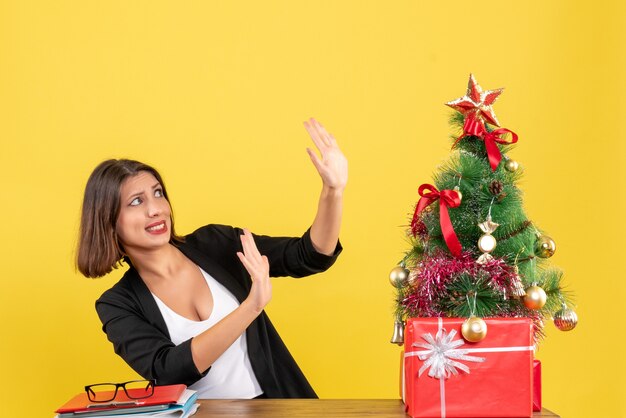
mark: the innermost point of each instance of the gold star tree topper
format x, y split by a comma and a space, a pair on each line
477, 103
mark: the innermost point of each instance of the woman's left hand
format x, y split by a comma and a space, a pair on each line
333, 166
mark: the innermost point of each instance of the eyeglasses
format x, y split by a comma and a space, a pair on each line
134, 389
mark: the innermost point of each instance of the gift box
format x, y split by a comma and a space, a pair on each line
446, 376
536, 385
402, 375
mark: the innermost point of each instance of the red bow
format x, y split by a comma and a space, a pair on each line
475, 127
472, 126
447, 198
493, 152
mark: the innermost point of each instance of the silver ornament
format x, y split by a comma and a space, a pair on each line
565, 319
398, 332
518, 286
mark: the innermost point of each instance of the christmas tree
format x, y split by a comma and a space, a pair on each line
473, 251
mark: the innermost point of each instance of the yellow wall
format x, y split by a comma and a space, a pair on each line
214, 93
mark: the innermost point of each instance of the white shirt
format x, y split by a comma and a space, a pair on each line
231, 375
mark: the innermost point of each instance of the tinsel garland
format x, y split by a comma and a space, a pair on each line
434, 274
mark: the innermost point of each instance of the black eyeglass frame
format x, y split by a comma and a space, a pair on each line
150, 383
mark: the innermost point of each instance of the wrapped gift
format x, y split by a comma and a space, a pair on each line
536, 385
446, 376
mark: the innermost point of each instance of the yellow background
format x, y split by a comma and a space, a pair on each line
214, 93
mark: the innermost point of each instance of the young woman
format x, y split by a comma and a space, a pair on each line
190, 309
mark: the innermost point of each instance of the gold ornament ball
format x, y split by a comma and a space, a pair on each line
399, 276
511, 165
545, 246
474, 329
565, 319
535, 297
458, 190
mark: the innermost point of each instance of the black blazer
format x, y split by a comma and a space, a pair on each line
133, 323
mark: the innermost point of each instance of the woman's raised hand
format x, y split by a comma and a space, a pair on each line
259, 269
333, 166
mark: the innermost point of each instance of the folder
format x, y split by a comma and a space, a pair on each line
162, 397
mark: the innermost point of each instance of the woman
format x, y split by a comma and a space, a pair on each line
190, 309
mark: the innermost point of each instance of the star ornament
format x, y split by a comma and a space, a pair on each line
476, 104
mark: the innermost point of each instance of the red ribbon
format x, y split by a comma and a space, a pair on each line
493, 152
475, 127
447, 198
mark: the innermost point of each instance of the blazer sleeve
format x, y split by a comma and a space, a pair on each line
146, 348
288, 256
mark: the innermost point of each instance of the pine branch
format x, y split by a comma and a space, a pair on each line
464, 290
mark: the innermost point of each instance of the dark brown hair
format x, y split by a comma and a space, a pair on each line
99, 250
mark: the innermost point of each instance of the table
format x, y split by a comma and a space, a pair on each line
309, 408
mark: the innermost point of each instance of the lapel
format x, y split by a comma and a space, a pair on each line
147, 302
206, 263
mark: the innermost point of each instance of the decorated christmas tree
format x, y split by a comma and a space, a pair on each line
474, 253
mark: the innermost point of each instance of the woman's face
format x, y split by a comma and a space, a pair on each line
144, 221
